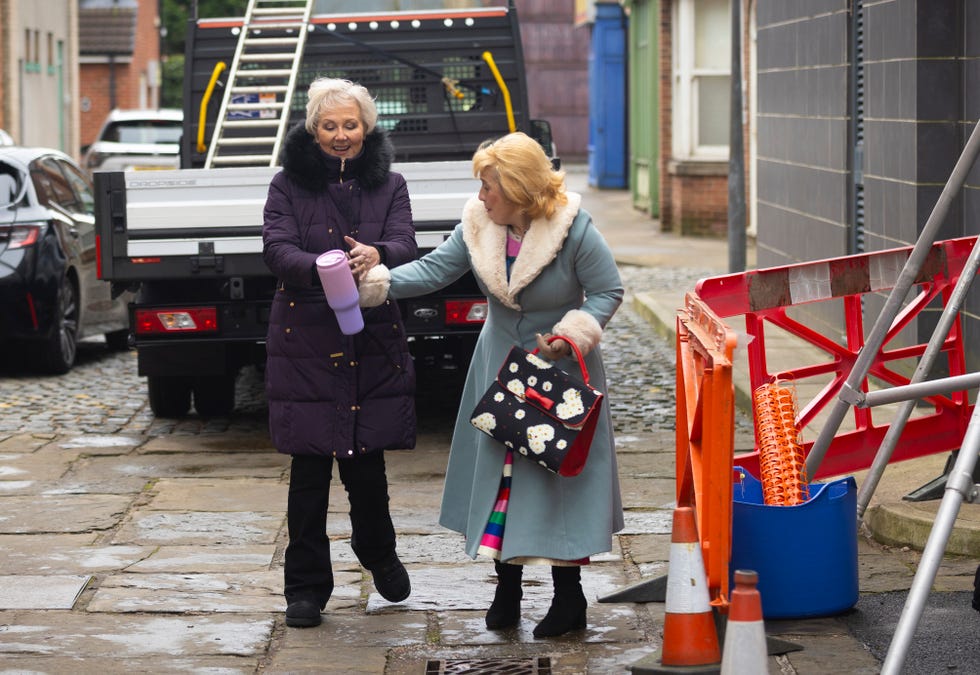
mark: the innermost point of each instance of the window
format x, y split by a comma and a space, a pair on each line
144, 131
701, 58
53, 189
82, 185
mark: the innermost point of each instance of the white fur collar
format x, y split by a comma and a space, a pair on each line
487, 244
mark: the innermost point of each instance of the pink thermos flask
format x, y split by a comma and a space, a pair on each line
340, 289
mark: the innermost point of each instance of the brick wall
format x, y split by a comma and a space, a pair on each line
699, 204
129, 78
556, 55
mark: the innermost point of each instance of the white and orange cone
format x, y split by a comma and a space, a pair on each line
690, 636
745, 634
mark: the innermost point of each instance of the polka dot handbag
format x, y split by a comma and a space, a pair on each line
541, 411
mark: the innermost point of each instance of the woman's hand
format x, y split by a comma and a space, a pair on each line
559, 349
362, 257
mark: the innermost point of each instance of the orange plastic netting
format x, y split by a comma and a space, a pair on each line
782, 464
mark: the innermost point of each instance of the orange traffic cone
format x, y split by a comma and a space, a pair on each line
745, 634
690, 636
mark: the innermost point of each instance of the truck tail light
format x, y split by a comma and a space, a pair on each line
98, 256
464, 312
181, 320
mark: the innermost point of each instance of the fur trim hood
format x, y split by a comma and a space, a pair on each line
306, 164
485, 241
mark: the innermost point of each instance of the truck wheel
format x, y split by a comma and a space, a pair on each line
169, 396
58, 351
214, 396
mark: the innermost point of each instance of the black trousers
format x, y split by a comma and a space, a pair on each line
308, 572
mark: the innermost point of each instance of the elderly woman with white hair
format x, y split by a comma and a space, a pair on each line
336, 398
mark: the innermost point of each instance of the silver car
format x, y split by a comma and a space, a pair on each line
137, 139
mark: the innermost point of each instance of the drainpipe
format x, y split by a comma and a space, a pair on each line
61, 98
112, 81
736, 153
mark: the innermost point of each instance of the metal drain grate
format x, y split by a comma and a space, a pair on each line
534, 665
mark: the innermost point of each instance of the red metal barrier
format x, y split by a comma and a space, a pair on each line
763, 297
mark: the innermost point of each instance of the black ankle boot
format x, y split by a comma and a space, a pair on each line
391, 579
567, 610
505, 611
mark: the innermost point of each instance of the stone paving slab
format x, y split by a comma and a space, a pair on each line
71, 635
205, 559
64, 554
211, 494
205, 444
412, 548
50, 591
24, 442
177, 528
242, 592
105, 663
97, 444
648, 493
153, 466
418, 464
56, 513
356, 629
648, 522
34, 466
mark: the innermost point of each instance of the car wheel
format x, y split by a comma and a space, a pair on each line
214, 396
169, 396
118, 340
58, 352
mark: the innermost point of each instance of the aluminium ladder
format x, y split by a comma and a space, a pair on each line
254, 113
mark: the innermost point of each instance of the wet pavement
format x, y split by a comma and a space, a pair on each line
135, 544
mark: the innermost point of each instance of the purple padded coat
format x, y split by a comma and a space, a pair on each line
330, 393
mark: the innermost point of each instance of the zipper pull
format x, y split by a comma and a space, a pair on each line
343, 161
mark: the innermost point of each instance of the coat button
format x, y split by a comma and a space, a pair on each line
289, 330
353, 407
353, 363
292, 304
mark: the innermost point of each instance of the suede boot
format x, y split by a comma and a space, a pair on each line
567, 610
391, 579
505, 611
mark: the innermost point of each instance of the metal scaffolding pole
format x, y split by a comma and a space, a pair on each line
959, 487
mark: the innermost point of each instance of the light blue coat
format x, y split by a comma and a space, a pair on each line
564, 281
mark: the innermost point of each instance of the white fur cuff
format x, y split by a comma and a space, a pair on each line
581, 328
373, 289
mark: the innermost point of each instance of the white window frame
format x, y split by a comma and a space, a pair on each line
685, 77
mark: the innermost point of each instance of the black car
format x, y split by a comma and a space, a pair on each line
50, 294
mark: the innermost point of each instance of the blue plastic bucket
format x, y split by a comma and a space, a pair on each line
806, 555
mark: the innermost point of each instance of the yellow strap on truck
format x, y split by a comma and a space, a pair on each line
203, 117
488, 57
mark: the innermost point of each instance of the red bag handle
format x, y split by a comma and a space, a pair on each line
578, 354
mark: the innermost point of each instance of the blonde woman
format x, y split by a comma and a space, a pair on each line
545, 269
